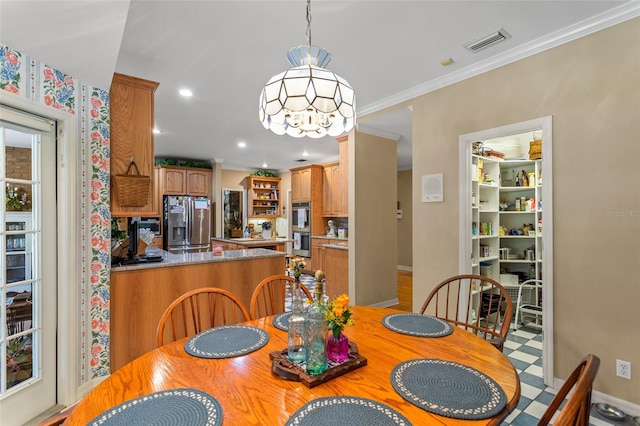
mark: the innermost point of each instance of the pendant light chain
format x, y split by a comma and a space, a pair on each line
308, 100
309, 23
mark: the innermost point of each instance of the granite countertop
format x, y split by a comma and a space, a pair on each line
171, 259
253, 241
329, 237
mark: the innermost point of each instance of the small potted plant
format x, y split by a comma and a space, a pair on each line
266, 230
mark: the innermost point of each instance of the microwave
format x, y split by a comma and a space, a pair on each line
150, 223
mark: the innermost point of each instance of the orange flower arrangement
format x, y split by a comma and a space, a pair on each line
338, 314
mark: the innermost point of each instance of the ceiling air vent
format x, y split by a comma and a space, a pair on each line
487, 41
302, 160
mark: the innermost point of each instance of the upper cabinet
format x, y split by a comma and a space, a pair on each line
335, 200
185, 181
264, 197
131, 105
305, 183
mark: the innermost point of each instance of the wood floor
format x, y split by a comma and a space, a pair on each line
405, 291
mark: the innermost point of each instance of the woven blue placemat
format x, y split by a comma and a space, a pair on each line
448, 389
417, 325
346, 410
281, 321
170, 407
226, 341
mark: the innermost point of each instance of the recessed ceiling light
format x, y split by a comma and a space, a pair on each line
156, 131
305, 154
186, 93
242, 144
265, 165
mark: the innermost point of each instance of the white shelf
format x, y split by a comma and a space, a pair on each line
517, 188
517, 212
487, 259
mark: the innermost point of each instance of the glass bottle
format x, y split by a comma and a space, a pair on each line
295, 344
316, 330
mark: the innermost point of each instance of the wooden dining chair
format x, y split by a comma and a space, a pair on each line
199, 310
575, 411
488, 306
269, 296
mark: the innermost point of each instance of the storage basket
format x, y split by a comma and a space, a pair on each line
535, 150
132, 190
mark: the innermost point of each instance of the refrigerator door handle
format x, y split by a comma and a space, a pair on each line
188, 215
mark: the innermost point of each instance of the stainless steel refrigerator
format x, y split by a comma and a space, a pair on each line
187, 224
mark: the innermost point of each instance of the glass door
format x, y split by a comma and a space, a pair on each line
28, 272
233, 216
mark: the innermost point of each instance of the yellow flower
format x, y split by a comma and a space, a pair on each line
338, 314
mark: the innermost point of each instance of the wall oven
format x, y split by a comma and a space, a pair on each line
301, 220
301, 229
302, 244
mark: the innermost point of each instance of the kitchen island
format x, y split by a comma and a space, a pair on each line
277, 244
141, 292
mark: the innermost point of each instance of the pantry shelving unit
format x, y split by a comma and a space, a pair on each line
506, 226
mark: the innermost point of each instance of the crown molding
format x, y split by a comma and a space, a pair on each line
591, 25
364, 128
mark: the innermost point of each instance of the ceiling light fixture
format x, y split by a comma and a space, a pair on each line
308, 100
186, 93
242, 144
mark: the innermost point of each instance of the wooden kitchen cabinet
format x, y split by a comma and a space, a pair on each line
335, 197
199, 182
332, 190
131, 102
336, 270
185, 181
317, 253
305, 182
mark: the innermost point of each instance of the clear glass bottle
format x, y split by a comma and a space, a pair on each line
316, 330
296, 350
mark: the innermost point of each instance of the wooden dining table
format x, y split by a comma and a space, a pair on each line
250, 394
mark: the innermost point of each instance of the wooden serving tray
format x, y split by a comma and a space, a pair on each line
288, 370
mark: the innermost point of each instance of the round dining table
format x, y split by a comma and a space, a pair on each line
250, 394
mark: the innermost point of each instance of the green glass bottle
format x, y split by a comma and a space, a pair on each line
316, 330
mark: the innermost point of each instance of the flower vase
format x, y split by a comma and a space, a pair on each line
338, 348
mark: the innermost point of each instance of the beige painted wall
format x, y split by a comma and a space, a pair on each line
372, 220
404, 225
591, 88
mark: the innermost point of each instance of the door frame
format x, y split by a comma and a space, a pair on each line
67, 166
464, 265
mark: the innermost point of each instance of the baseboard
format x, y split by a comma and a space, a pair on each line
626, 406
385, 303
405, 268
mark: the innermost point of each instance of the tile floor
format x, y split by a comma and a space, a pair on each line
524, 348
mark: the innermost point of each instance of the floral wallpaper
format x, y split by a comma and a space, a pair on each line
28, 78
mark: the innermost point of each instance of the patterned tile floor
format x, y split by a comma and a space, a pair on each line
524, 349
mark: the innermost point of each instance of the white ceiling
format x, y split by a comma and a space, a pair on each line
224, 51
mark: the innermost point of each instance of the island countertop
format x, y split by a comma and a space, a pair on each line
140, 293
172, 259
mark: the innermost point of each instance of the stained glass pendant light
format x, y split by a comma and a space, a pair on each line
308, 100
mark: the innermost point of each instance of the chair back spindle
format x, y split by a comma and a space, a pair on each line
199, 310
486, 311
